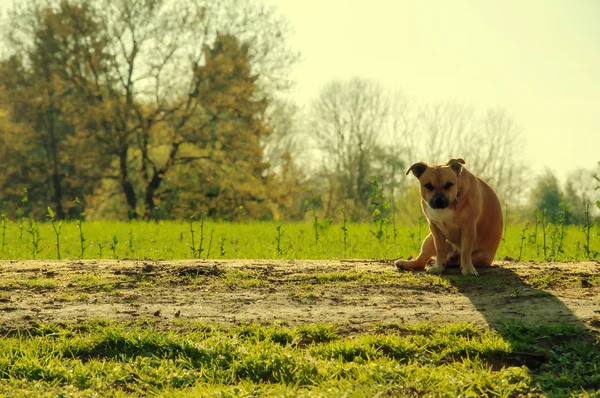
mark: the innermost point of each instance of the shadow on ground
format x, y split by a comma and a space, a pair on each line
560, 350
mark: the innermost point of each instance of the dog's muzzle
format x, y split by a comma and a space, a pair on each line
439, 202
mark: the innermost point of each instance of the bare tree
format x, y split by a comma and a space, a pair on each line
444, 130
284, 144
346, 124
491, 145
400, 141
497, 154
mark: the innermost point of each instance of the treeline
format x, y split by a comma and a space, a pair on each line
160, 109
141, 108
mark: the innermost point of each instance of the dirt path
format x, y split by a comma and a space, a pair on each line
352, 293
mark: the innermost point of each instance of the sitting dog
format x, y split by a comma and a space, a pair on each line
465, 219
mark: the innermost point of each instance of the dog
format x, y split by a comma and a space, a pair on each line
465, 219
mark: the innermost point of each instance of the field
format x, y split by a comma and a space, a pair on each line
324, 240
263, 316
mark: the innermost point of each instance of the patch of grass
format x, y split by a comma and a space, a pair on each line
336, 277
236, 279
547, 279
541, 293
37, 284
168, 240
93, 282
306, 297
68, 297
313, 360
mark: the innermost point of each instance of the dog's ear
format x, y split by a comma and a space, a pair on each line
456, 165
418, 169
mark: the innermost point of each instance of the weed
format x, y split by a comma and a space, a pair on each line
523, 240
100, 247
201, 244
22, 213
222, 246
379, 204
34, 231
540, 216
394, 230
4, 221
587, 227
312, 207
505, 223
56, 227
131, 246
534, 234
197, 250
344, 227
278, 239
416, 238
192, 231
80, 228
212, 231
562, 220
113, 247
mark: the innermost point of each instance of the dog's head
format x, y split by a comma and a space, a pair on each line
439, 183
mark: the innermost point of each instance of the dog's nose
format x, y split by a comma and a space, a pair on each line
438, 202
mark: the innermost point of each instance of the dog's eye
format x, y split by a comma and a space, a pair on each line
429, 186
448, 185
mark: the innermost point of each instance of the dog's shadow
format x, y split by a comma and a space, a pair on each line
540, 327
500, 294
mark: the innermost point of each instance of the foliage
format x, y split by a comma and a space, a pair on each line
139, 102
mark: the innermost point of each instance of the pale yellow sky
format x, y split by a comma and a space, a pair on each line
539, 59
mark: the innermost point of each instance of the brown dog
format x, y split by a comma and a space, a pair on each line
465, 218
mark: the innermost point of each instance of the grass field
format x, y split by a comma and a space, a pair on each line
173, 240
208, 326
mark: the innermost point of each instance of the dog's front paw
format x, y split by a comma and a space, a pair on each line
436, 268
469, 271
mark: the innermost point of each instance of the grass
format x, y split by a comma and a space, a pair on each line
172, 240
108, 359
186, 359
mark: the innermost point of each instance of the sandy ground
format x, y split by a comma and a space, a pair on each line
294, 292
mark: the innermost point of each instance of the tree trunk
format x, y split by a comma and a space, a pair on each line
157, 179
127, 186
56, 182
149, 197
55, 164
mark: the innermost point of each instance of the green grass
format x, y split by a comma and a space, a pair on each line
108, 359
172, 240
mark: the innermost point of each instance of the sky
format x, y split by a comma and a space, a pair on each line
538, 59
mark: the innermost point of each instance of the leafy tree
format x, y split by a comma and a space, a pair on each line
547, 195
225, 141
39, 136
137, 88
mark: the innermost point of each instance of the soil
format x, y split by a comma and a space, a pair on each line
353, 293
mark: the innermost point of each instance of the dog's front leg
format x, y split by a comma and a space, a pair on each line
441, 250
467, 238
